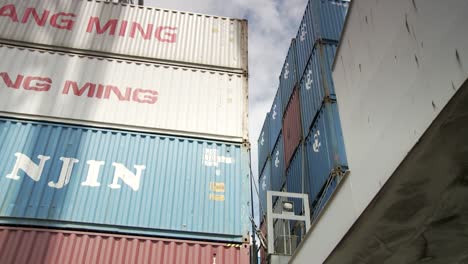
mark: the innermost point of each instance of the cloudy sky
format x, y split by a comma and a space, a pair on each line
272, 24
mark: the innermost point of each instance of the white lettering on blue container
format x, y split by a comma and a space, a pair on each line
34, 171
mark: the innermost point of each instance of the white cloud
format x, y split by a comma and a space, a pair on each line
272, 24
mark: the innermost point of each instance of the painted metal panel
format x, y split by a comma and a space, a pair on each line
263, 144
127, 31
305, 39
288, 77
276, 119
137, 183
106, 92
328, 18
265, 183
317, 84
292, 131
278, 168
325, 149
33, 245
327, 192
296, 182
322, 19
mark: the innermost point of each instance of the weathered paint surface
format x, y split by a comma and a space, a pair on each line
107, 92
322, 19
278, 167
328, 17
317, 84
263, 144
325, 150
28, 245
288, 78
276, 120
127, 31
265, 184
292, 131
140, 183
296, 180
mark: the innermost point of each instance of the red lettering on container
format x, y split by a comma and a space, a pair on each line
116, 91
40, 21
111, 25
9, 83
168, 36
123, 28
149, 98
39, 84
79, 91
9, 11
145, 35
101, 91
59, 20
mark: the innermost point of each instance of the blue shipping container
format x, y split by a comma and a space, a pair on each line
278, 167
324, 198
265, 184
263, 144
276, 117
288, 78
317, 84
305, 39
87, 178
322, 19
328, 17
325, 150
296, 182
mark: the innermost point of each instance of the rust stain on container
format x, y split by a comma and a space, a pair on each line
30, 245
292, 131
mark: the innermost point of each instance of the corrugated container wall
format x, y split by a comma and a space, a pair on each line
324, 197
276, 119
136, 183
263, 143
305, 39
278, 168
127, 95
288, 78
127, 31
322, 19
325, 149
27, 245
328, 17
295, 181
317, 84
265, 184
292, 131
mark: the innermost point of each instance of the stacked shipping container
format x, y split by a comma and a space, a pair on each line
120, 119
27, 245
313, 144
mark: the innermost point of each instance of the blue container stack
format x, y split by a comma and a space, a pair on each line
321, 154
265, 184
289, 75
263, 144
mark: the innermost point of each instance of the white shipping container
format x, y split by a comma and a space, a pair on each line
126, 30
116, 93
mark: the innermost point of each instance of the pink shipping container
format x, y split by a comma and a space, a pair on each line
292, 132
29, 245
